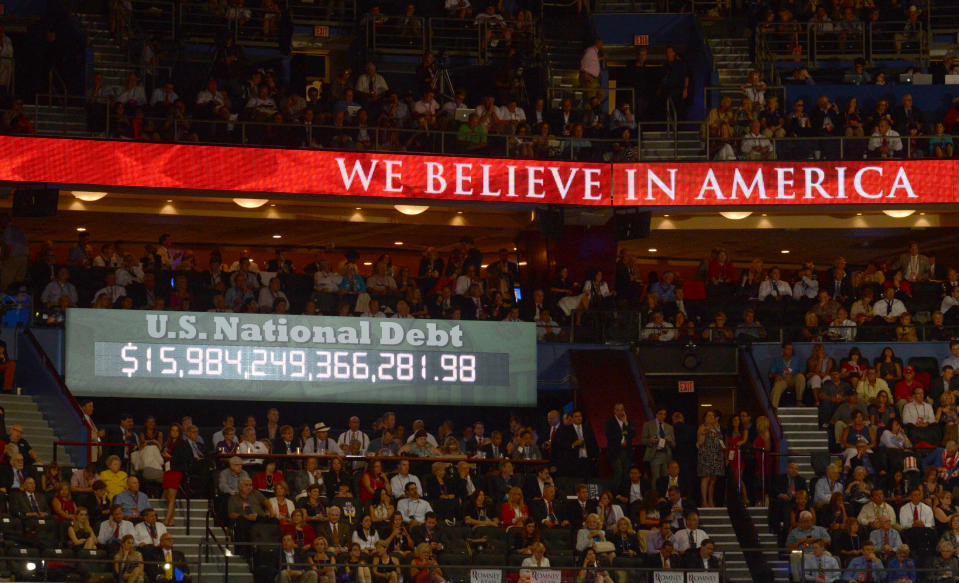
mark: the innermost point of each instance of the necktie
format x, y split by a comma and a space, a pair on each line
19, 476
820, 567
153, 531
915, 515
116, 531
662, 431
549, 511
775, 287
888, 307
885, 538
692, 540
868, 569
33, 504
666, 563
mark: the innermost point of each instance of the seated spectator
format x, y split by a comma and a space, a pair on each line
862, 566
756, 146
149, 532
885, 141
133, 501
870, 387
784, 373
827, 486
691, 537
806, 533
916, 513
658, 329
919, 419
591, 532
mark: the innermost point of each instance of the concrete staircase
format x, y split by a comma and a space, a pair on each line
716, 523
37, 431
214, 569
767, 542
660, 145
731, 60
803, 435
109, 58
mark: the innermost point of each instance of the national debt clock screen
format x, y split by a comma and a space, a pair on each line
203, 355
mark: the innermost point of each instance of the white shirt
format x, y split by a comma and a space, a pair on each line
398, 484
753, 141
888, 308
681, 539
127, 276
327, 281
106, 531
429, 439
113, 292
925, 515
161, 96
347, 437
423, 108
204, 97
891, 138
948, 302
379, 86
414, 509
255, 447
267, 297
845, 330
516, 115
136, 94
665, 330
589, 63
806, 287
767, 287
913, 412
314, 445
141, 534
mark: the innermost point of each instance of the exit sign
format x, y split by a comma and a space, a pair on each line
641, 40
686, 387
320, 31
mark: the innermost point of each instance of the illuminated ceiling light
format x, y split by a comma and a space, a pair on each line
88, 196
652, 250
367, 263
764, 214
522, 263
250, 203
898, 213
359, 208
858, 214
81, 229
483, 266
922, 214
277, 236
666, 215
169, 200
272, 204
459, 212
411, 209
785, 251
397, 242
735, 215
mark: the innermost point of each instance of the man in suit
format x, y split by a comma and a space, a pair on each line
535, 485
784, 488
547, 511
914, 266
429, 533
471, 305
673, 477
161, 556
579, 508
664, 559
335, 531
704, 558
554, 421
494, 448
122, 433
620, 433
530, 308
562, 121
478, 439
575, 449
291, 564
659, 439
632, 491
28, 503
675, 508
13, 475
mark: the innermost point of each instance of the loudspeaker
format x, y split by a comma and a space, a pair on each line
551, 222
35, 202
631, 224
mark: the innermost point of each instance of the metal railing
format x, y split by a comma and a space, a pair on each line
765, 147
810, 42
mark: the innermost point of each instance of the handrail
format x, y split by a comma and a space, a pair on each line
65, 391
358, 458
88, 444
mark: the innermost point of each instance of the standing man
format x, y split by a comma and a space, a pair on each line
575, 448
659, 439
620, 433
15, 249
591, 68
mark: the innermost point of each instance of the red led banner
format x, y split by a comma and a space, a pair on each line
786, 183
399, 176
195, 167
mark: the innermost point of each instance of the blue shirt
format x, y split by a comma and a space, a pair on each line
862, 565
358, 284
132, 505
666, 292
811, 565
824, 492
784, 368
901, 569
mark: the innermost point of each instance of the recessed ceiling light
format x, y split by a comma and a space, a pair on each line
169, 200
411, 209
858, 214
666, 215
735, 215
652, 250
81, 229
277, 236
88, 196
250, 203
367, 263
483, 266
898, 213
359, 208
785, 251
922, 214
272, 204
522, 263
459, 212
397, 242
764, 214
